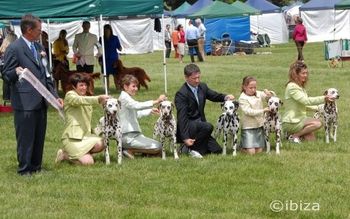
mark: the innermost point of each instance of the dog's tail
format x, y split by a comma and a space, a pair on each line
147, 77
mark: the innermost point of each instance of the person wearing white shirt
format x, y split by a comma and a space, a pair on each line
201, 39
192, 36
133, 140
83, 48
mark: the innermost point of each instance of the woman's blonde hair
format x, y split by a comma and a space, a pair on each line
294, 70
127, 80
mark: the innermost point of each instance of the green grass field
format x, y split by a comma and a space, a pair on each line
310, 180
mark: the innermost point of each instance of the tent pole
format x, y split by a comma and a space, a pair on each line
334, 24
103, 55
164, 59
49, 43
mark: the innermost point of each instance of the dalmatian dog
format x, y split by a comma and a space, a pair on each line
109, 127
228, 123
328, 112
165, 127
273, 123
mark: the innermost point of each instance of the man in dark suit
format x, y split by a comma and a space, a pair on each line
192, 127
30, 108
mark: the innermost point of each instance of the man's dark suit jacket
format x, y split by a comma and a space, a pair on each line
23, 95
189, 110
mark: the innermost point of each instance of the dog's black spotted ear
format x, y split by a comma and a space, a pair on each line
222, 104
281, 102
119, 104
325, 92
235, 103
172, 105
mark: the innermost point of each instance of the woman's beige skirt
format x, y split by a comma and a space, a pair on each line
78, 148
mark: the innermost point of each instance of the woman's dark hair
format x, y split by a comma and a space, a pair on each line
62, 32
75, 78
178, 27
108, 27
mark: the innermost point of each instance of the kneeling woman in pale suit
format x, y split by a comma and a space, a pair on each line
133, 140
78, 141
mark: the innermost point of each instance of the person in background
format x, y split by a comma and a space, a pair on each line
83, 48
133, 140
192, 36
181, 42
201, 39
79, 144
192, 127
175, 41
30, 108
45, 42
9, 38
299, 37
112, 45
167, 40
294, 120
61, 49
251, 103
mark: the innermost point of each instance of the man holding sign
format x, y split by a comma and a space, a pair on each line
30, 107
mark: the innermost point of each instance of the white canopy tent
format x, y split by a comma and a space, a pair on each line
272, 24
323, 22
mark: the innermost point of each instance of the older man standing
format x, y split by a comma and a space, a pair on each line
167, 41
201, 39
192, 35
83, 48
30, 108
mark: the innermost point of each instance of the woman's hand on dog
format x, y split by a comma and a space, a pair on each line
155, 111
161, 98
102, 99
329, 98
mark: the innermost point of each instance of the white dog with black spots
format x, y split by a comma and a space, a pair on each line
328, 112
165, 127
228, 123
273, 123
109, 127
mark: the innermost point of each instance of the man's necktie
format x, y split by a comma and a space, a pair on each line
195, 92
35, 54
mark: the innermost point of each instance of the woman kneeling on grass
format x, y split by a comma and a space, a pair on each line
133, 140
78, 142
295, 121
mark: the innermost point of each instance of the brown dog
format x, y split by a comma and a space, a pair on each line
139, 73
61, 73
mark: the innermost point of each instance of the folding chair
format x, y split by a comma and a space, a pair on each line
226, 44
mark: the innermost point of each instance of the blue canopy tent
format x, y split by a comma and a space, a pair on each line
195, 7
264, 6
270, 22
237, 27
222, 18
